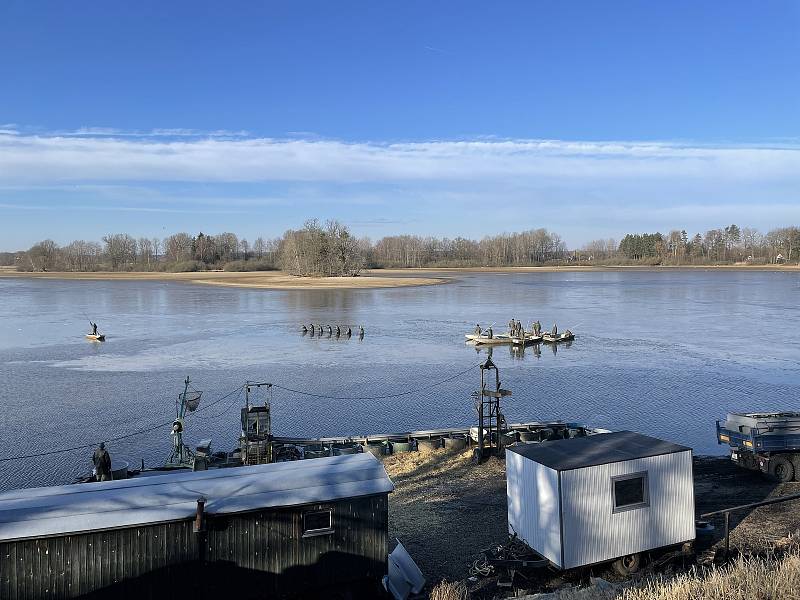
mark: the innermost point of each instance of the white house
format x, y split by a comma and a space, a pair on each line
598, 498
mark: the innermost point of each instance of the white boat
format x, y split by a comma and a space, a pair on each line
549, 338
526, 339
483, 338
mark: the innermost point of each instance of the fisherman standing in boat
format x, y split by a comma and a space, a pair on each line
94, 328
554, 332
537, 328
489, 332
478, 329
102, 463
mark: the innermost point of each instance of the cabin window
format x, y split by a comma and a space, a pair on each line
630, 491
318, 522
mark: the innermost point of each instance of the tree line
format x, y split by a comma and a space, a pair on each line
330, 249
724, 245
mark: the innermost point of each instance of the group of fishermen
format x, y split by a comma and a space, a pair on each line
517, 330
338, 331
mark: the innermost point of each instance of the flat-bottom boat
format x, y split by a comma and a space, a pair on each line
549, 338
526, 340
500, 338
96, 337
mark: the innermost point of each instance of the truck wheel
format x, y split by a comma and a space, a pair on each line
781, 468
627, 565
795, 458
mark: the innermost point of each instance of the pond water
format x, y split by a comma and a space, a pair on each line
662, 353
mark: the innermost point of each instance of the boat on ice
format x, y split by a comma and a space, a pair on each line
483, 338
549, 338
526, 339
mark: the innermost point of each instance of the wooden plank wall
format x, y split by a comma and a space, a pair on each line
250, 554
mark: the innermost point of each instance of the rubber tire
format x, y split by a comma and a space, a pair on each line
795, 458
781, 468
627, 565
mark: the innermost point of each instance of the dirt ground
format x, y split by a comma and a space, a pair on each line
446, 509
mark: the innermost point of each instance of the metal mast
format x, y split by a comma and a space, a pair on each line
487, 404
181, 455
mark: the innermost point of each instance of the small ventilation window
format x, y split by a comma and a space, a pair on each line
318, 522
630, 492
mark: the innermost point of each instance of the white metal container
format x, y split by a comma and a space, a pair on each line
587, 500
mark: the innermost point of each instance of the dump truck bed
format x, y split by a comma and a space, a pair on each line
761, 432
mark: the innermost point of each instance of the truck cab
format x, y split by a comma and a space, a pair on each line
766, 442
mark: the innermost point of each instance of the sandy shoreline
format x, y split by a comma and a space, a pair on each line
370, 279
273, 280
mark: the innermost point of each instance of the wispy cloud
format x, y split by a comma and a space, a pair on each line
470, 187
100, 155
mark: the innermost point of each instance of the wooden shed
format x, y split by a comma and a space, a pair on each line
598, 498
278, 530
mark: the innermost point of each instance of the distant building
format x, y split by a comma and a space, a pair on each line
281, 529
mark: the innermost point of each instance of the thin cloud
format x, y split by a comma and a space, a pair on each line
98, 157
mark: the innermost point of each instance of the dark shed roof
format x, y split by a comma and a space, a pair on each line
599, 449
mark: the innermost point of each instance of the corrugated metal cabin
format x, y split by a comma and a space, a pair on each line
588, 500
277, 530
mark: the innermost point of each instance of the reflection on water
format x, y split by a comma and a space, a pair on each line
663, 353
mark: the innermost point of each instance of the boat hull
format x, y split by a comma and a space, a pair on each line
95, 338
549, 339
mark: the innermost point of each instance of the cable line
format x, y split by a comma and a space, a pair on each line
384, 397
228, 395
114, 439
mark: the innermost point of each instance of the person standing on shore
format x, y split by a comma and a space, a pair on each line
102, 463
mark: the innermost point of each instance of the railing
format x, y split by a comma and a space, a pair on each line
727, 512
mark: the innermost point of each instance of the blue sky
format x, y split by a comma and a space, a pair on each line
589, 118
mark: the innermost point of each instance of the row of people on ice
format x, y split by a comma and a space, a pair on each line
338, 331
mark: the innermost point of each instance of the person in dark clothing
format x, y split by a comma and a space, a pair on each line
477, 329
102, 463
338, 331
94, 328
554, 331
349, 332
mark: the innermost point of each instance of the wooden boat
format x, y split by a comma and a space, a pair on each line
498, 338
549, 338
96, 338
526, 340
